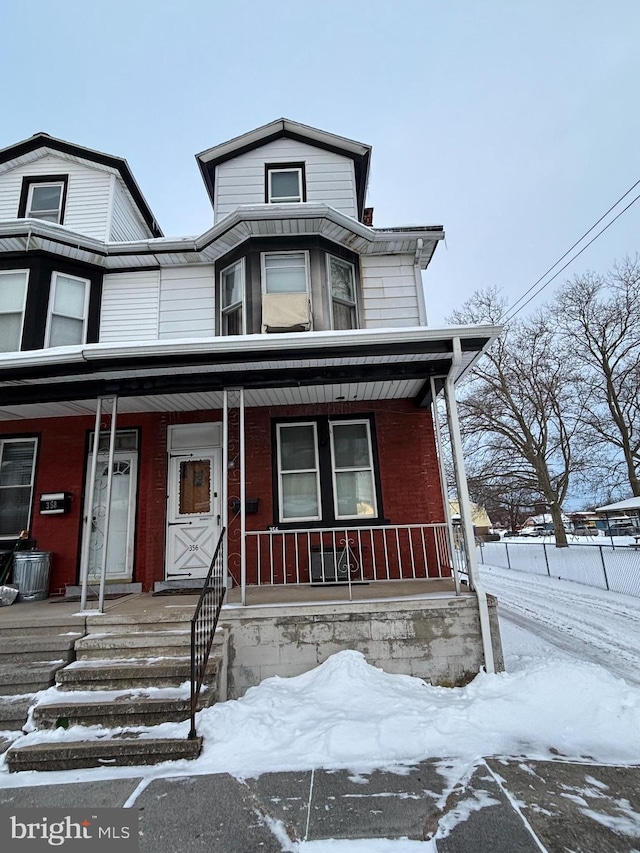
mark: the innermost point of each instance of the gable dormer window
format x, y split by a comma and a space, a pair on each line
285, 183
44, 198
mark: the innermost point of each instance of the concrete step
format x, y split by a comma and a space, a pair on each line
44, 647
134, 644
129, 673
13, 712
125, 710
12, 626
167, 618
28, 677
110, 752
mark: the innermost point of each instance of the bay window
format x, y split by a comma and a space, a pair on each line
341, 275
285, 272
232, 299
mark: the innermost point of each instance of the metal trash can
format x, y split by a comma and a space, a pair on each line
31, 574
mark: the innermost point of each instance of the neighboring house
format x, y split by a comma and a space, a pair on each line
479, 517
542, 524
274, 375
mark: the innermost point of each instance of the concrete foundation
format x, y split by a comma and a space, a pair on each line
436, 638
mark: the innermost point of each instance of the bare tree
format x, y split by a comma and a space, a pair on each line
519, 413
600, 319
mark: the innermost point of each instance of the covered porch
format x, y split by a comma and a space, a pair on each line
238, 385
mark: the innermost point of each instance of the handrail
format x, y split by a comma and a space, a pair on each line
203, 625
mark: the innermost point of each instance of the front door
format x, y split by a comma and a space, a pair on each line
193, 517
121, 519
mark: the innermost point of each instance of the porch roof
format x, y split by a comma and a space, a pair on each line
274, 369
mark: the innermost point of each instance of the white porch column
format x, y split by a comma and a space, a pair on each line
234, 398
88, 518
465, 510
444, 485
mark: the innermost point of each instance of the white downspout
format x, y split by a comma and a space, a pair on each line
465, 508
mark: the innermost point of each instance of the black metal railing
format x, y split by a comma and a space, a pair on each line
203, 625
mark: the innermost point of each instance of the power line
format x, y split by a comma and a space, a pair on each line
511, 313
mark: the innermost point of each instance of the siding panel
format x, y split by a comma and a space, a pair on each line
130, 307
126, 223
330, 177
187, 302
389, 295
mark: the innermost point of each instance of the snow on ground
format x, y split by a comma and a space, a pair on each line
568, 620
571, 688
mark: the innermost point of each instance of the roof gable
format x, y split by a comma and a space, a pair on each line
29, 149
285, 128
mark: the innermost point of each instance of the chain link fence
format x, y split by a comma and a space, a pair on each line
602, 566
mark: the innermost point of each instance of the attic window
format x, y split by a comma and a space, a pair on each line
285, 184
44, 198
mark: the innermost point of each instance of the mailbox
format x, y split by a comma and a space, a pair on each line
55, 503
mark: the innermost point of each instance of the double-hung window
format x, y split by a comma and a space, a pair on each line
326, 471
298, 472
232, 299
284, 184
45, 200
17, 468
343, 293
13, 297
285, 272
68, 310
354, 493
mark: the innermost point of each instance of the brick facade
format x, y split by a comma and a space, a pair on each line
409, 476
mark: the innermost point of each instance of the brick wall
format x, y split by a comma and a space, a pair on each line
408, 474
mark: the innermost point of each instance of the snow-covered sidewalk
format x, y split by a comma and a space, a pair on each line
562, 699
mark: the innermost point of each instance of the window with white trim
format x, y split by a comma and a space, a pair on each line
285, 272
285, 185
342, 287
298, 472
13, 298
17, 470
68, 310
354, 492
326, 471
232, 291
44, 201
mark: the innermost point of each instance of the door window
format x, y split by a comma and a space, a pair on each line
194, 496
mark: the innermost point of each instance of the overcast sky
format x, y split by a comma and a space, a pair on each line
513, 123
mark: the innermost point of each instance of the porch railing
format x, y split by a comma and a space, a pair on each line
203, 625
348, 554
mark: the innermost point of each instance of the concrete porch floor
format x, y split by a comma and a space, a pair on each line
30, 614
292, 594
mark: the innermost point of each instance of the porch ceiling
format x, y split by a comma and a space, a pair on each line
273, 369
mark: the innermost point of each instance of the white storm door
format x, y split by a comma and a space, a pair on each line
193, 518
121, 519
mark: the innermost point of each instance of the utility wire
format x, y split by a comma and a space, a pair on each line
511, 313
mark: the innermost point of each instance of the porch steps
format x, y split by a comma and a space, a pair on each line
29, 659
124, 645
110, 752
111, 685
